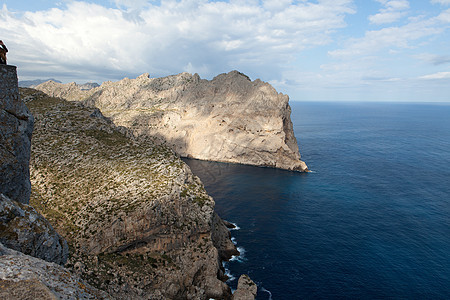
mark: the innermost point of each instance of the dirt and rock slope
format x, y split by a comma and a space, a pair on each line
138, 222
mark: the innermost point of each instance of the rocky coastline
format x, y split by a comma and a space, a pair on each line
111, 215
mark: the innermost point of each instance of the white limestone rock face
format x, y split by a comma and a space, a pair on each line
227, 119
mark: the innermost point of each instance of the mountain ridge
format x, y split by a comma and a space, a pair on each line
229, 118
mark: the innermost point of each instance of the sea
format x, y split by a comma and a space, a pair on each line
372, 219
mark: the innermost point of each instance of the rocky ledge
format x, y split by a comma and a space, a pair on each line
26, 277
25, 230
229, 118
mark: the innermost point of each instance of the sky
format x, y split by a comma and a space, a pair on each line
322, 50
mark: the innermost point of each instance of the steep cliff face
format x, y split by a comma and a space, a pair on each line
16, 124
228, 119
139, 222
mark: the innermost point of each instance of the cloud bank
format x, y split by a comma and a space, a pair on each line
173, 36
309, 49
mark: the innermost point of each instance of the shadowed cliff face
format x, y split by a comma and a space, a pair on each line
140, 224
16, 126
228, 119
32, 272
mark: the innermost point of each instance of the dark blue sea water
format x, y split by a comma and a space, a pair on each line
371, 222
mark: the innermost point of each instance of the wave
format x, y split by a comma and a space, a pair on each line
236, 227
267, 291
239, 258
230, 276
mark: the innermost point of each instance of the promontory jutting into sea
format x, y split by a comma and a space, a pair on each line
113, 204
105, 171
224, 149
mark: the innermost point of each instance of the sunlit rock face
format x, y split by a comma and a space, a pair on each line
229, 118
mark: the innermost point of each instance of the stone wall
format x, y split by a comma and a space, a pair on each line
16, 126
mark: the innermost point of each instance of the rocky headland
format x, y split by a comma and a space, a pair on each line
138, 223
229, 118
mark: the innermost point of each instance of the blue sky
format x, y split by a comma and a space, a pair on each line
323, 50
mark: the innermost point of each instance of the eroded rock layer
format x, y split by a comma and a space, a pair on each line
228, 119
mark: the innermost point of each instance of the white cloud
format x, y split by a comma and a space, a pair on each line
200, 36
385, 59
439, 75
444, 16
443, 2
393, 37
393, 10
433, 59
276, 5
131, 4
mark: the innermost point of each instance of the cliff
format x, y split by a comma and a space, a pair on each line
228, 119
21, 227
16, 125
139, 223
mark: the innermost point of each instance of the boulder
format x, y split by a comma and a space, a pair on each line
246, 289
23, 229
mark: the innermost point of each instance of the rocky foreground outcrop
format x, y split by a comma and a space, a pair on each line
139, 223
32, 276
25, 230
228, 119
26, 277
